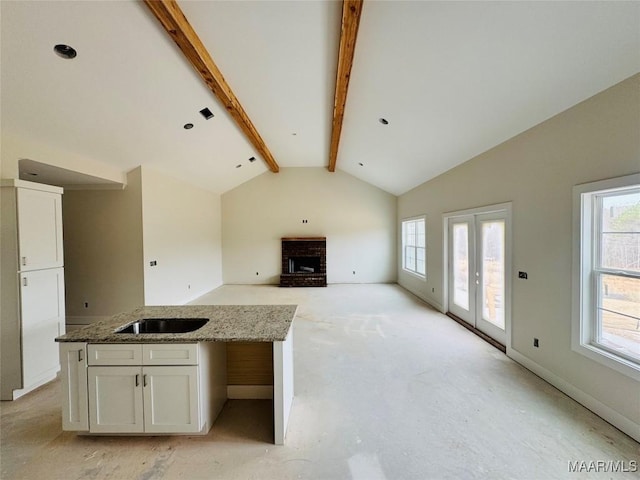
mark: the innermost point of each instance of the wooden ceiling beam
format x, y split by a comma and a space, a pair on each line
351, 11
177, 26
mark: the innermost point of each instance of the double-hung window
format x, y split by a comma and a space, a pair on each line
607, 273
413, 246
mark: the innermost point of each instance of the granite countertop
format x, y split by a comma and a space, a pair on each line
227, 323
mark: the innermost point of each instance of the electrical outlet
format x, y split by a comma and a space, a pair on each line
354, 272
86, 304
257, 273
189, 287
536, 343
523, 275
153, 263
433, 290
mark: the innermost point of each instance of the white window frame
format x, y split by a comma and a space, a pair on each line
584, 308
415, 273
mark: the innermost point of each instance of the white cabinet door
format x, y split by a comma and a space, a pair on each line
115, 400
40, 229
42, 304
171, 400
75, 407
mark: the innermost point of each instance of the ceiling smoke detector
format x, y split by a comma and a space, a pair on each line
188, 126
65, 51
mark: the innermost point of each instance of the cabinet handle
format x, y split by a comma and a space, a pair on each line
137, 379
24, 261
144, 380
80, 355
25, 282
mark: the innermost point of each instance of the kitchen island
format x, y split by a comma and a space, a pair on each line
168, 383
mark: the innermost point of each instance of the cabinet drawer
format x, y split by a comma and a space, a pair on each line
114, 354
170, 354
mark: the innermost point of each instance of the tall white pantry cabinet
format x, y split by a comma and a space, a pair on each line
32, 313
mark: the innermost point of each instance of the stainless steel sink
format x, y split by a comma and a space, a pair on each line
164, 325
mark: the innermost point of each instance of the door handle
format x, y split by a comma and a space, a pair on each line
144, 380
137, 379
80, 355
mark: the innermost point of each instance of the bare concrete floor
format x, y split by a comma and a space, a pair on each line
386, 388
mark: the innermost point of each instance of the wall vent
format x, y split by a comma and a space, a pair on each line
206, 113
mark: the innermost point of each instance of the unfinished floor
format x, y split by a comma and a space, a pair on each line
386, 388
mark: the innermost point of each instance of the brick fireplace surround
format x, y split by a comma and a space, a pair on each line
304, 262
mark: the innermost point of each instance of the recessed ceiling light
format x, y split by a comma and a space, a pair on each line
361, 164
239, 165
206, 113
383, 121
294, 134
252, 159
65, 51
188, 126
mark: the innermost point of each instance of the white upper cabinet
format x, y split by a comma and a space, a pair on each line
32, 294
40, 229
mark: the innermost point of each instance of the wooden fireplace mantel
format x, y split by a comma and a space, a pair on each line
303, 239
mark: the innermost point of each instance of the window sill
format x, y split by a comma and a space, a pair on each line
608, 359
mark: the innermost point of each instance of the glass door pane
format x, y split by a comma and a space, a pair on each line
493, 281
460, 265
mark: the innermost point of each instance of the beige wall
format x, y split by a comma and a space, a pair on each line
357, 219
536, 170
103, 249
181, 231
111, 236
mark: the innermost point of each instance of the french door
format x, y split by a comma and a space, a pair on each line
477, 281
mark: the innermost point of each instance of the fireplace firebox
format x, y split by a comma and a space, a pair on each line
304, 262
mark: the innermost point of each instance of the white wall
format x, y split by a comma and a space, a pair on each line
536, 170
103, 249
358, 219
181, 232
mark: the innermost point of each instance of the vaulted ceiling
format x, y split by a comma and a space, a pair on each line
453, 79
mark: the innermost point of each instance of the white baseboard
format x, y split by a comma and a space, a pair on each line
430, 301
437, 306
249, 392
607, 413
44, 378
